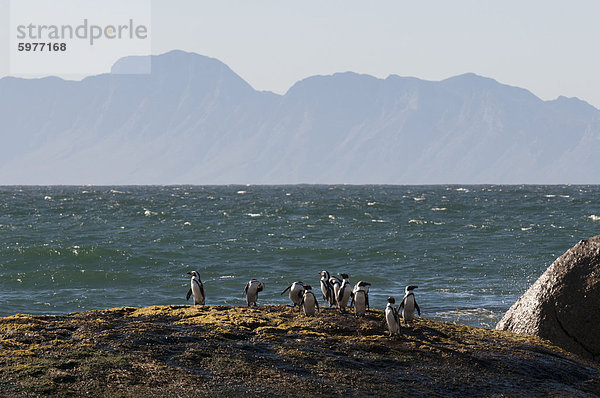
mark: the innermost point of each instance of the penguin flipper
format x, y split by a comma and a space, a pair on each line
286, 289
189, 293
396, 316
340, 294
417, 307
202, 292
401, 306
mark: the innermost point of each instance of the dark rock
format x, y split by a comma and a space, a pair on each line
563, 305
168, 351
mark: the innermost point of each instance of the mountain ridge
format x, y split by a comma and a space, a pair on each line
194, 120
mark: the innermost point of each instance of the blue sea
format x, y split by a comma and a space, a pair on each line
472, 250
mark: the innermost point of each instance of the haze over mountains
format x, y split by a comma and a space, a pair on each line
194, 121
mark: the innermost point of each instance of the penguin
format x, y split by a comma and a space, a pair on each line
343, 294
359, 301
251, 291
296, 292
360, 298
197, 288
408, 304
335, 283
309, 301
327, 288
391, 317
361, 285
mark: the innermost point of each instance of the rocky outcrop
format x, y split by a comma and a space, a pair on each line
563, 305
274, 351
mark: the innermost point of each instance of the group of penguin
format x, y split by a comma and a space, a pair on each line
337, 292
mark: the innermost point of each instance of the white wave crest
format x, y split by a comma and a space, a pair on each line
594, 217
421, 222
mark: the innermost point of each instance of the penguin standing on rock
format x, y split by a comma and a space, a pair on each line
309, 301
296, 293
359, 301
343, 294
251, 291
196, 288
408, 305
364, 286
335, 283
327, 288
391, 317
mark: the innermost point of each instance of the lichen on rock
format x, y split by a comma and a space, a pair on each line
273, 350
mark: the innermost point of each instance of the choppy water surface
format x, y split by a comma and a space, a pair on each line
472, 250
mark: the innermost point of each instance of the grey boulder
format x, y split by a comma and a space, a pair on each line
563, 305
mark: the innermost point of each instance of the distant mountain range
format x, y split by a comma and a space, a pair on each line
194, 121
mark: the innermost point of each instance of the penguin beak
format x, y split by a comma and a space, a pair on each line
189, 273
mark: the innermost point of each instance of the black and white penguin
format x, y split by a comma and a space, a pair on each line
196, 288
327, 288
391, 317
251, 291
309, 301
343, 294
296, 292
408, 304
359, 301
360, 298
335, 283
362, 285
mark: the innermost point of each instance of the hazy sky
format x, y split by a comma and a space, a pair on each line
549, 47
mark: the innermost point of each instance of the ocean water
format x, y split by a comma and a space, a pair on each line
472, 250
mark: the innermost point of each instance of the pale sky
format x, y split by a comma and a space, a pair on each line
549, 47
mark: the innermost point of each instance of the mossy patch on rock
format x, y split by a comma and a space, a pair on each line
274, 351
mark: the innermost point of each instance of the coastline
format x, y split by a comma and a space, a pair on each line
273, 350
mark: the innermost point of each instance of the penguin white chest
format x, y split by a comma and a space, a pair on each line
408, 312
324, 287
390, 318
343, 295
360, 302
336, 289
309, 304
197, 291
